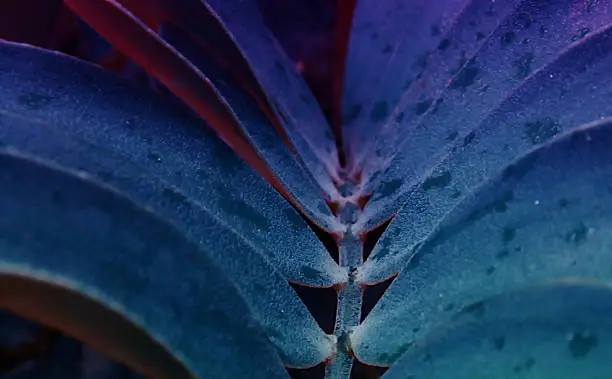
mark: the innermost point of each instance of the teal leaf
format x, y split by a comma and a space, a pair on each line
167, 162
78, 256
544, 217
260, 132
464, 89
571, 90
561, 330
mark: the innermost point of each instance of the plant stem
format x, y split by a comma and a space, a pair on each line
348, 313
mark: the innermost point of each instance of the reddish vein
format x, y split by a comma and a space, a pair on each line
344, 21
160, 60
184, 16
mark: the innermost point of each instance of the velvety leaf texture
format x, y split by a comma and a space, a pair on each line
460, 90
529, 224
554, 331
139, 146
577, 82
389, 44
258, 130
290, 98
58, 233
305, 189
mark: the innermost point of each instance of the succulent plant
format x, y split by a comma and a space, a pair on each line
184, 184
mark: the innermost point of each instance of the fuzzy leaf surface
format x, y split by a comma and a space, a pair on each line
544, 217
165, 161
571, 90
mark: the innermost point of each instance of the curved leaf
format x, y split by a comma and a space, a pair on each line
114, 22
69, 243
257, 129
478, 24
139, 146
193, 19
389, 43
545, 217
557, 331
287, 93
313, 141
577, 82
119, 117
437, 120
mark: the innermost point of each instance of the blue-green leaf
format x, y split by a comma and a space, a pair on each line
544, 217
257, 129
570, 91
166, 162
78, 256
555, 331
460, 91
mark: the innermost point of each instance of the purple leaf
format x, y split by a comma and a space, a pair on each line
389, 45
466, 81
576, 82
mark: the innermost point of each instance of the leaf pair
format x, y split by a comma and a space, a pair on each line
193, 74
69, 150
544, 218
514, 114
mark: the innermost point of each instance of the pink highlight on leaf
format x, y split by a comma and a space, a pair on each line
143, 46
155, 12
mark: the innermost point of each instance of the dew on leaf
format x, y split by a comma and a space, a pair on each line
422, 106
379, 112
522, 65
507, 38
508, 234
466, 77
444, 44
541, 130
34, 101
437, 181
581, 344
